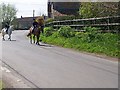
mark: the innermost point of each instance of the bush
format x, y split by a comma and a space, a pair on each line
91, 29
48, 31
66, 31
79, 34
49, 20
92, 34
55, 34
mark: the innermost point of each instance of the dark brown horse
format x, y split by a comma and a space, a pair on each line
35, 35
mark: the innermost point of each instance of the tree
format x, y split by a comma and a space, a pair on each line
98, 9
8, 13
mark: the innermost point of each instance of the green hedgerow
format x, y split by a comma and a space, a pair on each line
48, 31
91, 29
49, 20
66, 31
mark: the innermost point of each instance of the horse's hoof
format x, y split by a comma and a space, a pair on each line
38, 44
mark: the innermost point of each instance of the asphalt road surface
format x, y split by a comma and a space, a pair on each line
49, 66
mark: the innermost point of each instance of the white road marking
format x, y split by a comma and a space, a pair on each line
5, 69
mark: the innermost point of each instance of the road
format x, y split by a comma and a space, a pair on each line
49, 66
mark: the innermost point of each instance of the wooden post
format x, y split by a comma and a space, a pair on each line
108, 24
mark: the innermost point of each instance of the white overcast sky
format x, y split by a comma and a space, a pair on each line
25, 7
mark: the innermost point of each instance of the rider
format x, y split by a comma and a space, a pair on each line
35, 24
7, 27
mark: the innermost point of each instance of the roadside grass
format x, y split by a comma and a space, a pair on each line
1, 85
89, 41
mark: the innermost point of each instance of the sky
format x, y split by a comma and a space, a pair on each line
25, 7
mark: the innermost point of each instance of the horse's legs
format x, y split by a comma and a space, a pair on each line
30, 38
34, 38
9, 37
3, 38
40, 38
37, 40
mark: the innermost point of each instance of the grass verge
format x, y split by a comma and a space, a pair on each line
1, 85
90, 41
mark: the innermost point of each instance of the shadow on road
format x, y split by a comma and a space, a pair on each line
13, 40
45, 45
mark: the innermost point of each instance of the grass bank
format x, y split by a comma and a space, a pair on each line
89, 41
1, 85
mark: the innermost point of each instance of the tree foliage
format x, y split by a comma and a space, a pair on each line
8, 13
98, 9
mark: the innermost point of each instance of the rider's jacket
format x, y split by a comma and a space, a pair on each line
35, 24
7, 26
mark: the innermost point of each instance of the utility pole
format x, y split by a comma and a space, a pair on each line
33, 14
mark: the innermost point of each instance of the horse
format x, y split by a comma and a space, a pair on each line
9, 32
37, 30
36, 33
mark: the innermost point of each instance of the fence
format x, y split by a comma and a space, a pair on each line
103, 23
